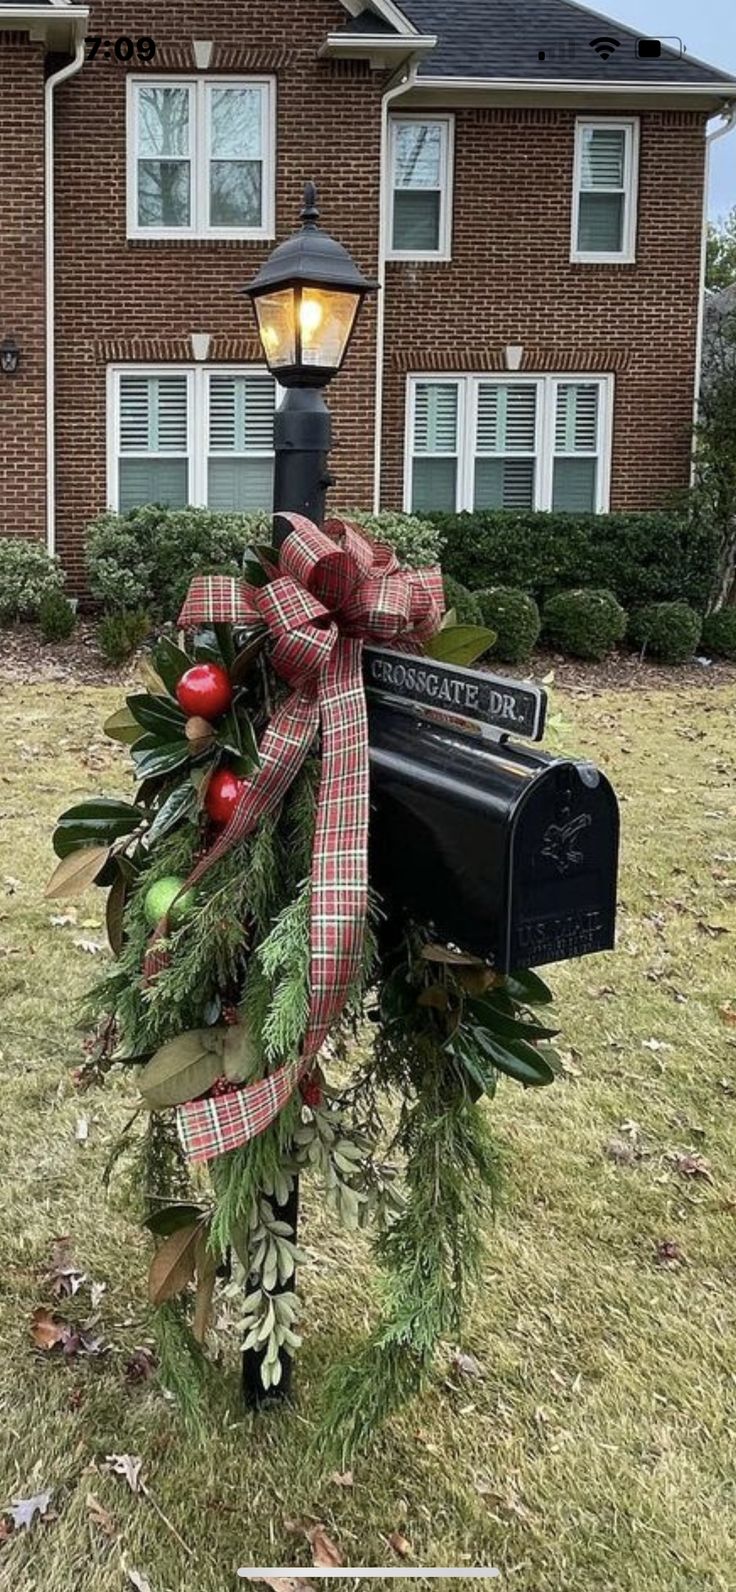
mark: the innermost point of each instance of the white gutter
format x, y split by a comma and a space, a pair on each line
51, 83
383, 222
567, 85
728, 115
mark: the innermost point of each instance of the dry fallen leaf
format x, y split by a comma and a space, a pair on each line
129, 1466
137, 1579
48, 1331
690, 1165
342, 1478
325, 1553
668, 1253
399, 1545
467, 1365
99, 1516
23, 1511
277, 1583
64, 1275
728, 1014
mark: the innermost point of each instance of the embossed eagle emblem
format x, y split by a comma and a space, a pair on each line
558, 842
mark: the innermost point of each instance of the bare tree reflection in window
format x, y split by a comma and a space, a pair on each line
236, 157
164, 157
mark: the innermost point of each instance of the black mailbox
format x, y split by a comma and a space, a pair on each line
498, 848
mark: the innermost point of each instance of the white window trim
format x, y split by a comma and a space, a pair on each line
447, 179
199, 157
627, 254
545, 432
198, 431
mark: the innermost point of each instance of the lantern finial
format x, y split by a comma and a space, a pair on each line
310, 213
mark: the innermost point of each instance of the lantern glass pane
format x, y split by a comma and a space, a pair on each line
326, 317
277, 327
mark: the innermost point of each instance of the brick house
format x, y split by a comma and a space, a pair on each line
531, 201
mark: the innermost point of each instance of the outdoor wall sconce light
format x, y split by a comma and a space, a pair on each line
9, 356
306, 299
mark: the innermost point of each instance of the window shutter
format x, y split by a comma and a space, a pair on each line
241, 414
153, 414
435, 417
506, 418
576, 418
604, 157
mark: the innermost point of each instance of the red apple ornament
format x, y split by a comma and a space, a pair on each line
223, 794
205, 690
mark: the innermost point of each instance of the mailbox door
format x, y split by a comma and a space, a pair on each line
564, 867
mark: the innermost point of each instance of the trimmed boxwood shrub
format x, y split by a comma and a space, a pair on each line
514, 616
641, 558
27, 575
586, 624
465, 603
719, 633
416, 542
670, 632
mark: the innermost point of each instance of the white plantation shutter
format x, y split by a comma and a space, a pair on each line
575, 471
240, 472
434, 478
154, 426
507, 425
605, 158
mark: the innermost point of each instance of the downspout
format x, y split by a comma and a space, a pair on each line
729, 122
51, 83
387, 98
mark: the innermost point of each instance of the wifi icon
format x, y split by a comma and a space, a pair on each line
605, 47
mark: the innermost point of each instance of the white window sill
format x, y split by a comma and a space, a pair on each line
410, 256
601, 258
188, 235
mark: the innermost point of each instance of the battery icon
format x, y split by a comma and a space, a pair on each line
649, 49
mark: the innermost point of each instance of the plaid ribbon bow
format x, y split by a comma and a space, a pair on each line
335, 590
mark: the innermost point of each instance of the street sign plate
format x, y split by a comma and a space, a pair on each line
409, 680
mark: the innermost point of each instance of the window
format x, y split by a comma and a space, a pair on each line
200, 157
200, 436
526, 442
605, 184
420, 223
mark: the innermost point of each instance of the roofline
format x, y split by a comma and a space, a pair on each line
387, 9
378, 48
53, 23
716, 93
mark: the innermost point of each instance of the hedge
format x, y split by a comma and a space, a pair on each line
586, 623
641, 558
514, 616
669, 632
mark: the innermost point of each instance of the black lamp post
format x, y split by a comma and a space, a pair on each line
306, 299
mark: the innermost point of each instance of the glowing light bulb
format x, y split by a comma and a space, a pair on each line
311, 316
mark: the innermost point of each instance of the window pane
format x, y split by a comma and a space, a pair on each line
241, 414
153, 414
507, 417
574, 485
240, 485
576, 417
163, 121
417, 220
236, 123
235, 193
163, 193
418, 154
504, 483
601, 223
433, 484
158, 480
603, 157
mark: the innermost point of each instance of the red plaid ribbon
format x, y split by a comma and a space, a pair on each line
334, 591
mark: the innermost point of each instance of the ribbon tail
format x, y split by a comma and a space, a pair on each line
208, 1128
340, 857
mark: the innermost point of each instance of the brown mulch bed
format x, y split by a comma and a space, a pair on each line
26, 658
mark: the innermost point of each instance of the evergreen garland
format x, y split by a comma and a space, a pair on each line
232, 1004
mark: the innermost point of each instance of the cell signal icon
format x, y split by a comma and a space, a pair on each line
605, 47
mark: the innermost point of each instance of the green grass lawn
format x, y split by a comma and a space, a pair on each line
596, 1450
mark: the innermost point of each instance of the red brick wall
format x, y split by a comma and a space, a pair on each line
511, 281
22, 310
141, 300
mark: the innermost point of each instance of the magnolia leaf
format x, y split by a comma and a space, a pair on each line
173, 1265
517, 1059
249, 652
97, 822
206, 1269
199, 733
172, 1218
440, 953
153, 756
242, 1056
181, 801
235, 734
461, 644
525, 986
476, 980
159, 715
435, 996
151, 678
183, 1068
76, 873
114, 913
486, 1015
171, 663
121, 726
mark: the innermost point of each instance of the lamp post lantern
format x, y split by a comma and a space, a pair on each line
306, 298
